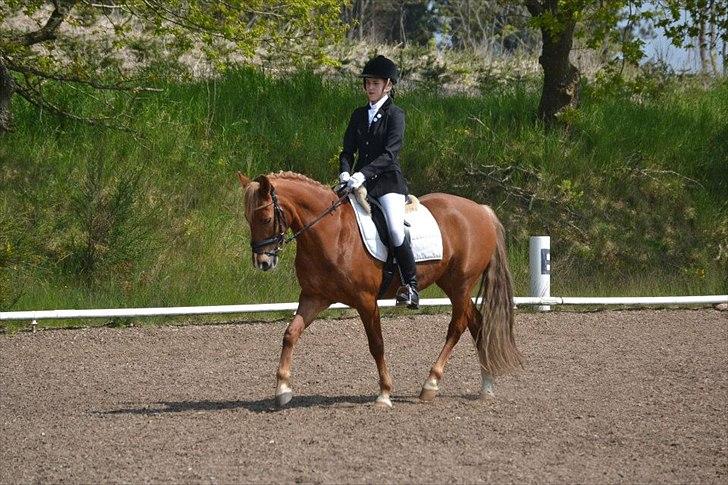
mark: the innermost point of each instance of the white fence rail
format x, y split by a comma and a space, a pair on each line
276, 307
540, 269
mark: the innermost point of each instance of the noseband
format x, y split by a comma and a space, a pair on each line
281, 225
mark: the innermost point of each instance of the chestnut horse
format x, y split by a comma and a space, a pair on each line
332, 265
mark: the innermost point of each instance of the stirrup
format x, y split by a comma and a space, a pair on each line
407, 296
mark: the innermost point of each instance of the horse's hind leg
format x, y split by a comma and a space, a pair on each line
308, 308
474, 325
461, 309
372, 325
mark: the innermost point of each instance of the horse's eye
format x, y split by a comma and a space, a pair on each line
267, 220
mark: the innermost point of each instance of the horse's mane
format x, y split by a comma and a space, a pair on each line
251, 192
297, 177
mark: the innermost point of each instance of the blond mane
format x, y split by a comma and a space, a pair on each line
252, 200
297, 177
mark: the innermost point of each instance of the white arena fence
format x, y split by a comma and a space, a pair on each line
540, 269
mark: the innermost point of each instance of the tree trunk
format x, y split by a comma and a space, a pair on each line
714, 42
6, 92
402, 33
702, 47
561, 77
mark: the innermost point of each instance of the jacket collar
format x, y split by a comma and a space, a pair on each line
385, 106
377, 117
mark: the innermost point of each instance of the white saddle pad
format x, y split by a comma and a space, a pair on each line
424, 233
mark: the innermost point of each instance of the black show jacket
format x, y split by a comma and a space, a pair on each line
378, 146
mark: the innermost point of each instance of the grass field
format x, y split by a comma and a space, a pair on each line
634, 195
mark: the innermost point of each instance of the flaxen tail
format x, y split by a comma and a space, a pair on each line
496, 345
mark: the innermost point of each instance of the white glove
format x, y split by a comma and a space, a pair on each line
356, 180
344, 177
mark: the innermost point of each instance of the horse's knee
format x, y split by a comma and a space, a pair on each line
376, 348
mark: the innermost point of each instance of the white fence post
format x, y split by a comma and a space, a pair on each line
539, 265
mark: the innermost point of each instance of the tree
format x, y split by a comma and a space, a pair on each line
391, 21
701, 24
493, 24
615, 21
121, 45
557, 21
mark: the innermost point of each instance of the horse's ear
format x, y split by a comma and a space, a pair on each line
244, 181
265, 185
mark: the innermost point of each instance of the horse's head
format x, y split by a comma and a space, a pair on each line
266, 219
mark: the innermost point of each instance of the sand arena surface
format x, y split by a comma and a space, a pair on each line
617, 396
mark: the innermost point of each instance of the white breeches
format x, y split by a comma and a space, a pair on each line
393, 205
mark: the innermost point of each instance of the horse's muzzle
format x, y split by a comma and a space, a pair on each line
265, 262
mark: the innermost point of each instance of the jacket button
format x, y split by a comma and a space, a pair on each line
366, 143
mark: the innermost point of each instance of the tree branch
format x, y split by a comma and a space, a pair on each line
36, 99
48, 31
163, 12
61, 78
7, 87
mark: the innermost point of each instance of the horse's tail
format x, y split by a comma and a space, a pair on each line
496, 346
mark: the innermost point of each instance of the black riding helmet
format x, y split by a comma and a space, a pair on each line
382, 68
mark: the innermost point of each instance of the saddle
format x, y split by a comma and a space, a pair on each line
420, 227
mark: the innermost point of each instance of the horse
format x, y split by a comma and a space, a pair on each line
332, 265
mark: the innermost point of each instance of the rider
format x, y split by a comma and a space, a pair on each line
376, 132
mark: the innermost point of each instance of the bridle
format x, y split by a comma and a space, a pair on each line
281, 225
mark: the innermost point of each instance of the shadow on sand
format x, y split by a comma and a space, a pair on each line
256, 406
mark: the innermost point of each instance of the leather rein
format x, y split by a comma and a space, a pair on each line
281, 225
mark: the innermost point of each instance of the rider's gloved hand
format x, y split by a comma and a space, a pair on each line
356, 180
344, 177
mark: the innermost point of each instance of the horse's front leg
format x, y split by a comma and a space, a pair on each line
308, 308
372, 325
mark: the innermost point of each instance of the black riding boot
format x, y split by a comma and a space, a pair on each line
407, 293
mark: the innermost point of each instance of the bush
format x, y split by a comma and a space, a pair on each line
108, 222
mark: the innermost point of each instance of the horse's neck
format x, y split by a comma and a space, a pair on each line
321, 244
304, 202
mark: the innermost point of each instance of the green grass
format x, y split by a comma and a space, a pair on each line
647, 183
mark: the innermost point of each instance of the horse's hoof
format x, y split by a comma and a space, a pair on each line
383, 403
486, 395
428, 395
283, 399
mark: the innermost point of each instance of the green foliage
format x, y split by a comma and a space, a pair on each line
129, 45
613, 28
108, 225
11, 255
683, 20
648, 82
96, 218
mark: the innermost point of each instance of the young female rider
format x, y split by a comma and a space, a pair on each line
376, 131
